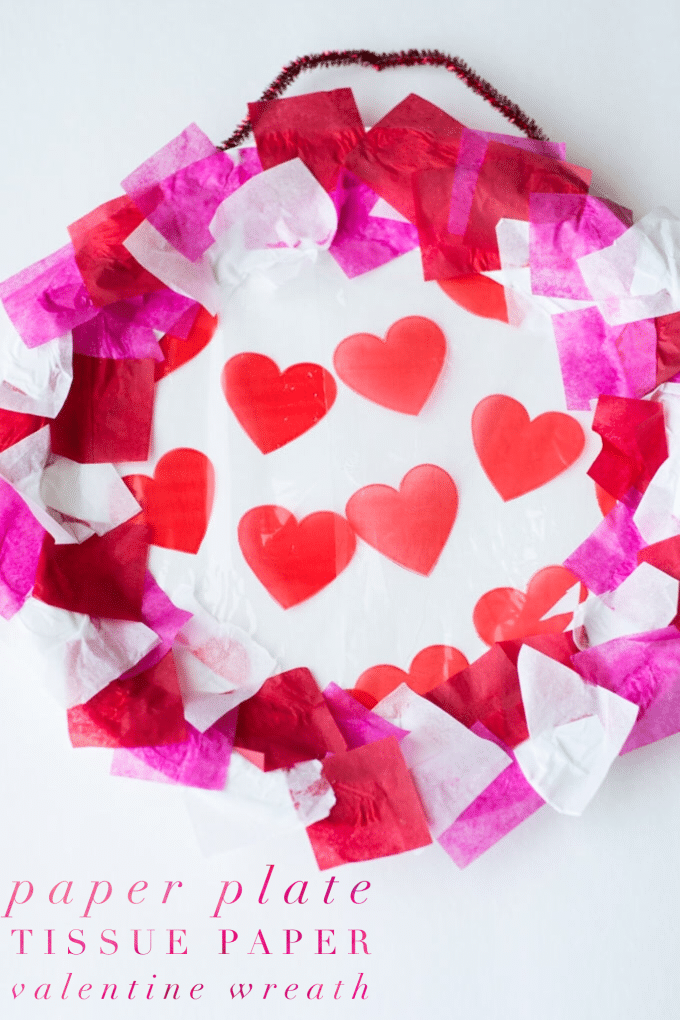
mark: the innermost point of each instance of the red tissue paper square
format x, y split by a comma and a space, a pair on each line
415, 135
377, 811
319, 128
664, 555
507, 178
109, 271
288, 721
487, 691
633, 444
101, 577
108, 412
15, 426
144, 710
559, 647
667, 347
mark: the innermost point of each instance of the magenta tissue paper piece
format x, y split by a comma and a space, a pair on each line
506, 802
589, 358
21, 539
473, 146
637, 349
164, 309
357, 723
185, 203
48, 299
202, 760
249, 164
644, 669
126, 329
164, 618
114, 333
363, 242
562, 228
181, 328
188, 147
609, 555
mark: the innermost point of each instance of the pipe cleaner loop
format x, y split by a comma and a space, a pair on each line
381, 62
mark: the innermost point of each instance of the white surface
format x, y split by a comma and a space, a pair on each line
566, 918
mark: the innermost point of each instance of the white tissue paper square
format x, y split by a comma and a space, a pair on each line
646, 600
449, 763
575, 731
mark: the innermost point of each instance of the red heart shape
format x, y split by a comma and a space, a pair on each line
605, 501
276, 407
295, 560
504, 614
410, 526
398, 372
518, 454
178, 499
177, 351
430, 668
479, 295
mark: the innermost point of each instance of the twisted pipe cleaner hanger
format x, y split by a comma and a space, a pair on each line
382, 62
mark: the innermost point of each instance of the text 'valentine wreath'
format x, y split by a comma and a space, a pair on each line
302, 504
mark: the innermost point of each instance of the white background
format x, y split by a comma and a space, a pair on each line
564, 918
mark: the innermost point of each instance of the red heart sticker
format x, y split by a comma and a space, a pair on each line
518, 454
604, 500
398, 372
430, 668
504, 614
276, 407
410, 526
178, 499
479, 295
177, 351
295, 560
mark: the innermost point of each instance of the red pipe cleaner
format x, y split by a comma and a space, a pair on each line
381, 61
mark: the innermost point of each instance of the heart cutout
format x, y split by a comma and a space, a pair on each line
430, 668
276, 407
517, 454
479, 295
295, 559
178, 499
605, 501
504, 614
410, 526
398, 372
177, 351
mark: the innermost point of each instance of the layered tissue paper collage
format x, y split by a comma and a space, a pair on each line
340, 480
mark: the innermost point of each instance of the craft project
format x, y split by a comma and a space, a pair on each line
302, 500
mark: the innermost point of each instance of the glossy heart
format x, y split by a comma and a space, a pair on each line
479, 295
276, 407
178, 499
518, 454
177, 351
503, 614
604, 500
295, 560
410, 526
398, 372
431, 667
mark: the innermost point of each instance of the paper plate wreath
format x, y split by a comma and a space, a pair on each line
301, 505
